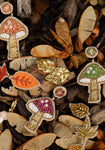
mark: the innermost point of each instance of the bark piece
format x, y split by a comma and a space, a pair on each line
86, 25
11, 91
23, 63
18, 121
38, 143
6, 140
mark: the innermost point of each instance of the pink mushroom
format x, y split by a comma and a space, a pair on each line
42, 109
12, 30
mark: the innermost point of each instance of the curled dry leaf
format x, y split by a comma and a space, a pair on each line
100, 57
11, 91
63, 32
100, 134
86, 25
6, 140
62, 130
58, 76
22, 63
93, 2
39, 143
47, 51
17, 120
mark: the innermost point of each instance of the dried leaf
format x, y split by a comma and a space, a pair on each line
100, 135
39, 143
46, 65
86, 25
100, 57
22, 63
11, 91
79, 110
17, 121
93, 2
62, 130
47, 51
70, 121
58, 76
3, 72
63, 32
24, 80
6, 140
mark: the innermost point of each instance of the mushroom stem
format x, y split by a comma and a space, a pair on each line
34, 121
94, 91
13, 47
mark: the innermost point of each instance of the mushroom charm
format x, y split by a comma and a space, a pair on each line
92, 75
42, 108
12, 30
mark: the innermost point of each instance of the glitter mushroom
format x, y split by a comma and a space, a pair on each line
92, 75
42, 109
13, 30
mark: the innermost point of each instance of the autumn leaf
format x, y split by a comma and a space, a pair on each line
58, 76
3, 72
24, 80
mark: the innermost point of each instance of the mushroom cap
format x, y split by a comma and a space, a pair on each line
43, 104
59, 91
12, 25
91, 71
91, 52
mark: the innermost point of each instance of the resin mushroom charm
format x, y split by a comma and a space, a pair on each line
42, 108
12, 30
92, 76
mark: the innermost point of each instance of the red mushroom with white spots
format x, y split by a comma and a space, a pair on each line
42, 108
12, 30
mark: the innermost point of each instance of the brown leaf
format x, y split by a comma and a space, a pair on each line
86, 25
63, 32
11, 91
62, 130
39, 143
17, 120
22, 63
100, 134
93, 2
6, 140
47, 51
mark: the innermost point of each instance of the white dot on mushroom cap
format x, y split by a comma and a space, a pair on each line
33, 107
88, 71
93, 71
46, 105
10, 27
5, 27
42, 101
9, 22
46, 101
90, 68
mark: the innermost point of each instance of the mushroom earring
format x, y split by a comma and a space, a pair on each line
92, 75
42, 108
12, 30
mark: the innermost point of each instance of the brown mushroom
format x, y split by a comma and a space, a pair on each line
12, 30
43, 109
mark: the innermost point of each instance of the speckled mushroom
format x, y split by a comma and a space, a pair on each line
12, 30
42, 109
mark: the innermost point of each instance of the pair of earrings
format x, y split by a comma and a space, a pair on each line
12, 30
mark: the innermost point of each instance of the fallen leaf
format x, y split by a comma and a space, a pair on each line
3, 72
17, 120
22, 63
6, 140
63, 32
24, 80
39, 143
58, 76
100, 57
93, 2
47, 51
86, 25
62, 130
100, 135
11, 91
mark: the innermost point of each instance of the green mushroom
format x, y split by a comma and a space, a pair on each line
92, 75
